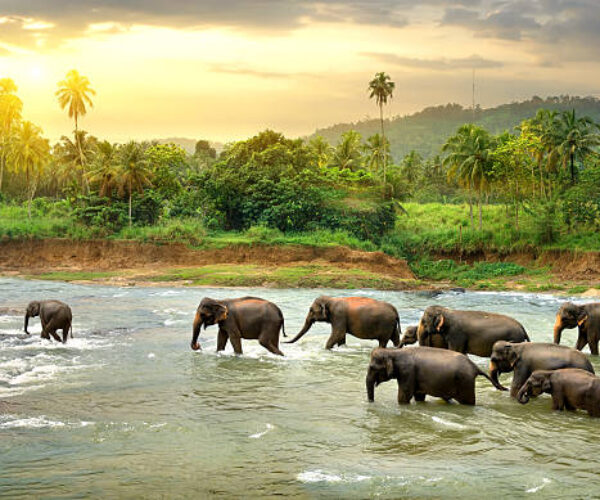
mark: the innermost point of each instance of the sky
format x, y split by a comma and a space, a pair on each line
225, 69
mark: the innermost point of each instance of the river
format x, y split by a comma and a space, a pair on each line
127, 409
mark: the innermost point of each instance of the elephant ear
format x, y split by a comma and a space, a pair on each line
546, 385
511, 356
582, 316
440, 322
389, 366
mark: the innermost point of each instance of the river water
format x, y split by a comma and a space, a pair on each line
127, 409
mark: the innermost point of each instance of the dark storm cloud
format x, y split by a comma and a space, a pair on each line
563, 26
441, 64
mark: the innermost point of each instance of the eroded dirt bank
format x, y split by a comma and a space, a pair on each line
37, 256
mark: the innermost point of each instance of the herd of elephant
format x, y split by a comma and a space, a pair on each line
438, 366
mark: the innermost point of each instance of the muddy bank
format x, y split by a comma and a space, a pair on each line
564, 264
37, 256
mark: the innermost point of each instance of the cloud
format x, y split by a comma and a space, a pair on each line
439, 64
245, 71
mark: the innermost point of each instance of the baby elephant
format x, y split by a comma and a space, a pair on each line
571, 388
410, 337
425, 370
54, 315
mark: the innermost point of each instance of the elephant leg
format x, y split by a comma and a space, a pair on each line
55, 335
266, 340
467, 397
593, 343
342, 341
383, 341
395, 338
221, 340
50, 329
334, 338
65, 334
581, 342
419, 396
519, 378
236, 342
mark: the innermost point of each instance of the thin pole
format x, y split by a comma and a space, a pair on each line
473, 95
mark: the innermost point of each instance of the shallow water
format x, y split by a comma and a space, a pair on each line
127, 409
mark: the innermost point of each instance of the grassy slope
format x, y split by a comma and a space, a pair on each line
429, 229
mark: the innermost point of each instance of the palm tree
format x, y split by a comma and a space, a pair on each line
105, 168
10, 115
411, 166
378, 152
470, 161
576, 139
73, 156
381, 88
75, 92
134, 172
28, 154
321, 150
347, 153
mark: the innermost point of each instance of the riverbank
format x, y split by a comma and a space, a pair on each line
133, 263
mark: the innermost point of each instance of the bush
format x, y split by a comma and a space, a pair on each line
100, 212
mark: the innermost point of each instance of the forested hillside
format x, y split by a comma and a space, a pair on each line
427, 130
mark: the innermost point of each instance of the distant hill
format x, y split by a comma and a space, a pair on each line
188, 144
428, 129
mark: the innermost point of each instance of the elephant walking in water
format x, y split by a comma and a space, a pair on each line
571, 388
54, 315
469, 332
586, 318
243, 318
362, 317
425, 371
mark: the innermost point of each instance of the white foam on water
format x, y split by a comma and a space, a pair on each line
535, 489
318, 476
13, 422
447, 423
151, 355
261, 434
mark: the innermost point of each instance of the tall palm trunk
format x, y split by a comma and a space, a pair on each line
480, 211
572, 161
130, 203
383, 150
471, 207
517, 205
542, 193
2, 162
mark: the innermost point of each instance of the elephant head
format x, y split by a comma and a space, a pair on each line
569, 316
319, 311
33, 310
503, 359
409, 337
209, 312
381, 369
433, 321
538, 382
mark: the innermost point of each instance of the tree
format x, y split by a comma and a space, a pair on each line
411, 166
75, 92
134, 173
469, 160
10, 116
347, 153
377, 149
105, 168
28, 154
577, 139
381, 88
73, 156
320, 150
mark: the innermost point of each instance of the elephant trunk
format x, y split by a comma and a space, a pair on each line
307, 324
523, 395
370, 387
26, 322
558, 328
494, 376
196, 331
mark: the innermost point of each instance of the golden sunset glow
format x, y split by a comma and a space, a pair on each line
229, 72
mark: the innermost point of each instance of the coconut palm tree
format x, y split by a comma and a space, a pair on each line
70, 154
28, 154
347, 153
105, 168
381, 88
134, 172
470, 162
377, 149
75, 92
10, 115
577, 139
321, 150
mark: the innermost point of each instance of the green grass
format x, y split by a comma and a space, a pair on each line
73, 275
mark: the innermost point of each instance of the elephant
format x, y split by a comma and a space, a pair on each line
571, 388
425, 370
586, 317
525, 357
410, 337
469, 332
54, 315
242, 318
362, 317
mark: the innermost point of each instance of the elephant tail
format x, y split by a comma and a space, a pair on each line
282, 322
527, 339
71, 329
495, 383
